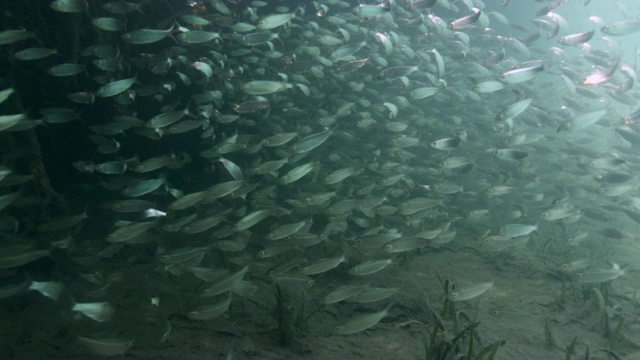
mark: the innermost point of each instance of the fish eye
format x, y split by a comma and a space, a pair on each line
392, 142
262, 253
544, 215
311, 282
565, 266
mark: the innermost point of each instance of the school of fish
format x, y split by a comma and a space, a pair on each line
237, 147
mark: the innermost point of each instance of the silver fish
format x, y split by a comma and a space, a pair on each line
360, 323
263, 87
470, 292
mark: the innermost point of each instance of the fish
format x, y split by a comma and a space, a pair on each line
366, 11
225, 283
70, 6
99, 311
273, 21
517, 230
207, 312
323, 265
264, 87
597, 275
311, 142
360, 323
108, 24
115, 87
446, 143
106, 346
519, 75
142, 188
36, 53
466, 20
67, 69
14, 35
197, 37
369, 267
581, 121
343, 293
576, 39
621, 28
251, 219
513, 110
470, 291
146, 36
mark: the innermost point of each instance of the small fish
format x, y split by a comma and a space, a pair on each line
322, 265
520, 75
296, 173
106, 346
62, 223
115, 87
489, 86
446, 144
576, 39
346, 51
311, 142
12, 36
210, 311
516, 230
108, 24
197, 37
343, 293
621, 28
510, 154
360, 323
142, 188
224, 283
70, 6
146, 36
14, 259
63, 70
251, 219
600, 275
129, 232
274, 21
581, 121
397, 72
34, 53
369, 267
465, 21
470, 292
423, 92
263, 87
367, 11
513, 110
98, 311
